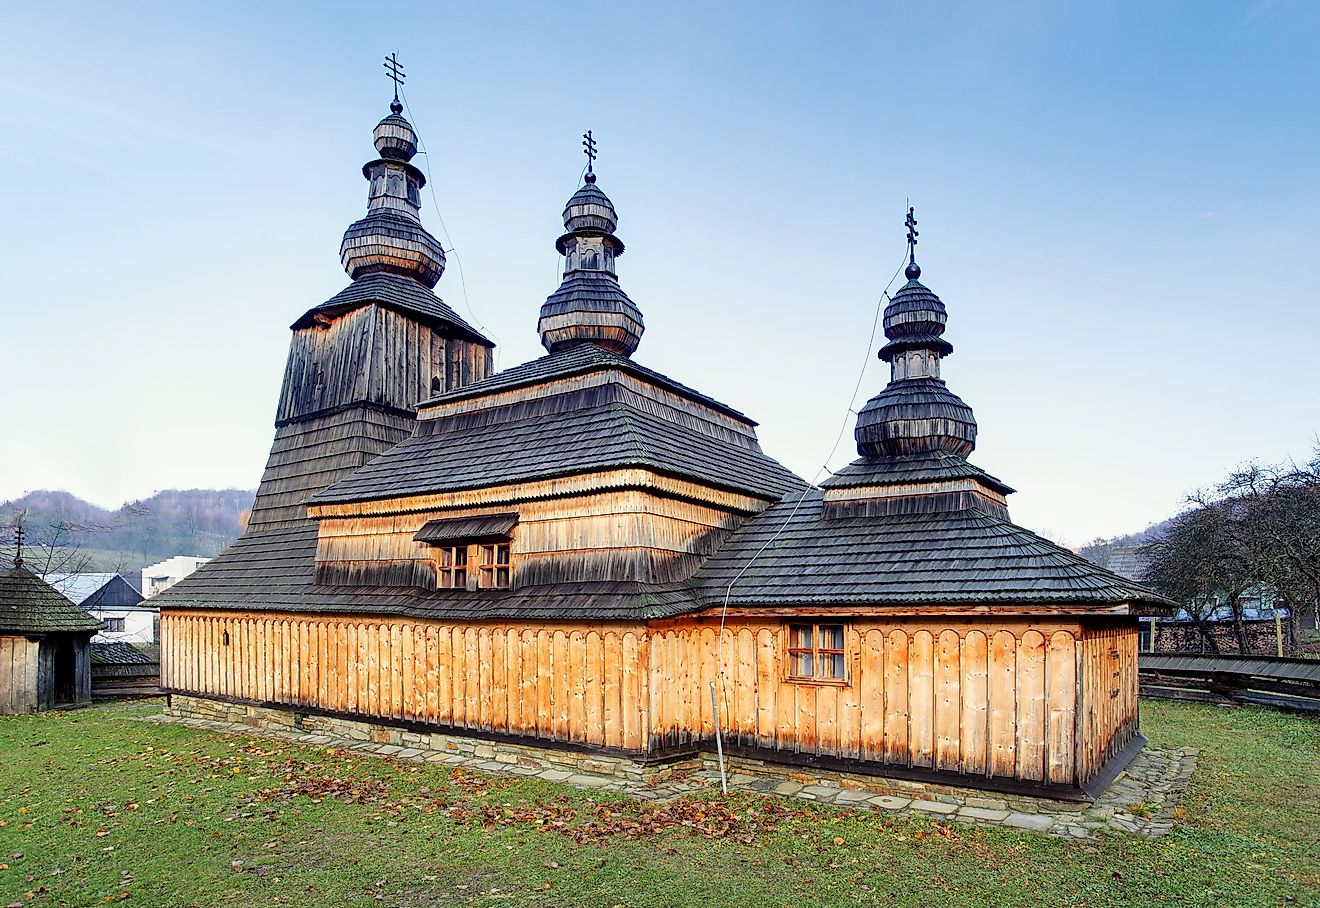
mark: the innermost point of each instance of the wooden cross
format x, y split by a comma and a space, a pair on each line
589, 146
395, 72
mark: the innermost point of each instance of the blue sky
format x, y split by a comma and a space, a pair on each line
1119, 203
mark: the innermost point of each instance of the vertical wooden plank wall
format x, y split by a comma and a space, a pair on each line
991, 699
18, 675
574, 683
1108, 717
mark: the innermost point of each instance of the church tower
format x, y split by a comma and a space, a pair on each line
915, 435
360, 362
590, 306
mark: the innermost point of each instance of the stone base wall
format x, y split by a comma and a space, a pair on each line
810, 783
541, 759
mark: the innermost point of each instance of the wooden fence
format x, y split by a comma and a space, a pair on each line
1288, 684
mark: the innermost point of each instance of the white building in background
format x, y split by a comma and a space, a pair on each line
113, 599
162, 575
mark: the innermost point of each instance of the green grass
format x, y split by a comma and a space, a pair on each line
98, 807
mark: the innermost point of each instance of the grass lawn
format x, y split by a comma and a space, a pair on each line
97, 807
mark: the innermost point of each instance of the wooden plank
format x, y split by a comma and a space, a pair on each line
870, 684
975, 702
631, 696
827, 719
391, 663
948, 701
921, 697
561, 687
408, 668
767, 686
1060, 674
593, 719
472, 679
575, 677
546, 720
898, 741
444, 675
616, 678
495, 699
530, 671
377, 686
1003, 704
1031, 706
744, 687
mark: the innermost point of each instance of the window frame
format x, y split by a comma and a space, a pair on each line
793, 651
449, 565
488, 572
116, 625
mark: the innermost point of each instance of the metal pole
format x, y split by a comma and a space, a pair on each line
719, 740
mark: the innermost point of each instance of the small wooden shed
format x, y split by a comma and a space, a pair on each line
45, 644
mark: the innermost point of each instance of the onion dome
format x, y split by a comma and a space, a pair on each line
395, 137
916, 413
391, 237
590, 306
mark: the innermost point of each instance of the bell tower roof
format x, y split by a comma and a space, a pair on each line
391, 238
590, 306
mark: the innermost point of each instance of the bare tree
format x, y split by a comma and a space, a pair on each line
47, 549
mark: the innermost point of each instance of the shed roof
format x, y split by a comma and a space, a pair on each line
792, 554
30, 605
394, 291
464, 529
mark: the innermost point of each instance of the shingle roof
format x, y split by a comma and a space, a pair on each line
29, 605
275, 571
394, 291
579, 360
124, 654
910, 468
467, 529
544, 445
961, 557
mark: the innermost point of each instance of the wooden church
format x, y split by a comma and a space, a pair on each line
575, 552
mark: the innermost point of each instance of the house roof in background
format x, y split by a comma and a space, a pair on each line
96, 589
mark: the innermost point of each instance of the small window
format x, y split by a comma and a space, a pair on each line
495, 566
452, 571
815, 652
114, 625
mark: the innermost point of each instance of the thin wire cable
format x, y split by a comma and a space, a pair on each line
452, 250
852, 403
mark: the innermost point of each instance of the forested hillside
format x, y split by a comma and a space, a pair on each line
65, 533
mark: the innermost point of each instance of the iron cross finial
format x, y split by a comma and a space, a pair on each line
589, 146
18, 538
396, 73
913, 269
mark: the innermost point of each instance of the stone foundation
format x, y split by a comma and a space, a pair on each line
1141, 800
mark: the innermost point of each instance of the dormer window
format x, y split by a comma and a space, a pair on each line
472, 553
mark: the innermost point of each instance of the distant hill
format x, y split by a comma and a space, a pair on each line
1121, 553
173, 522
